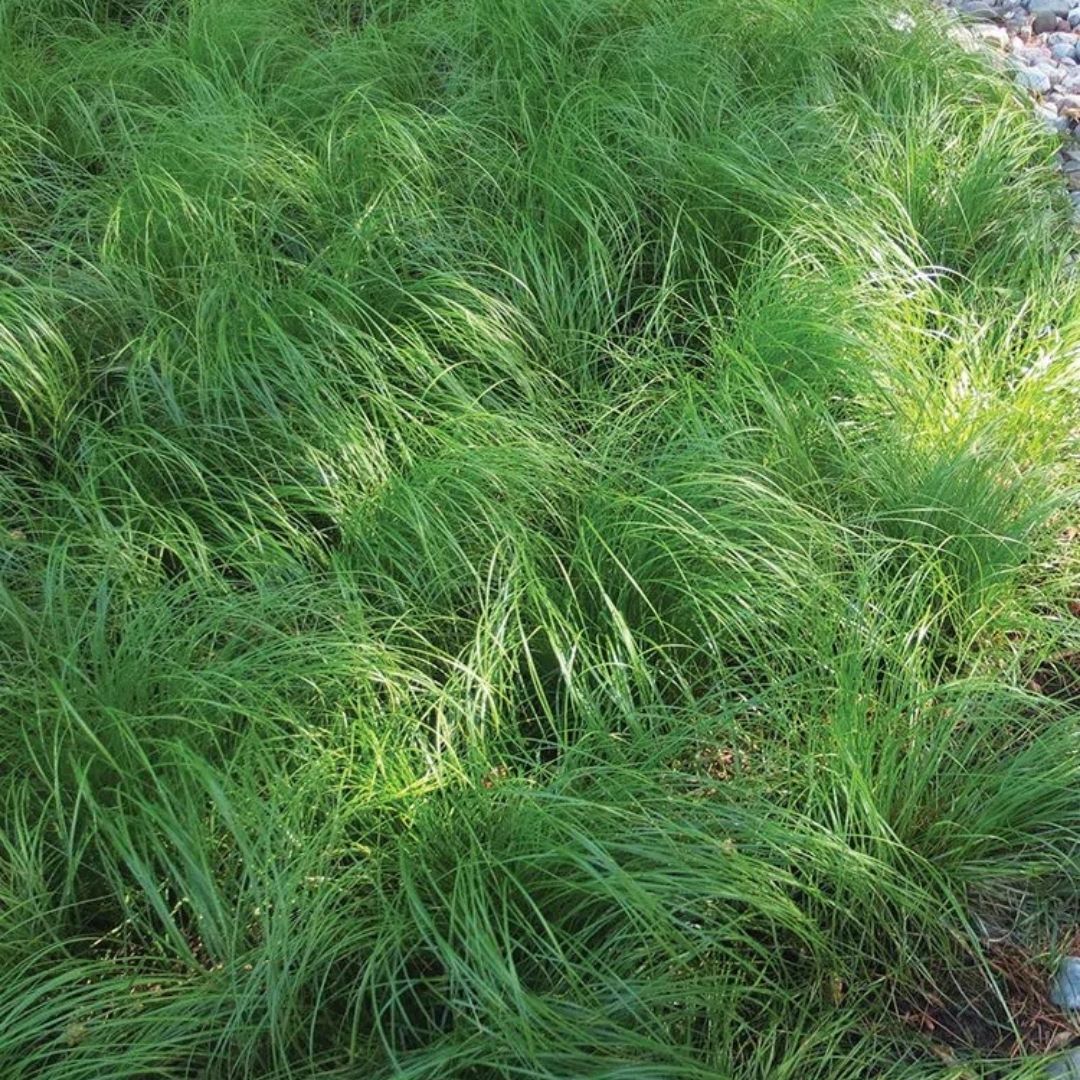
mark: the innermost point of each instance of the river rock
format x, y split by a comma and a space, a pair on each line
1065, 988
1033, 79
1066, 1067
1057, 8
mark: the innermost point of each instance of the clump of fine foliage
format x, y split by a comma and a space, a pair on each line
532, 540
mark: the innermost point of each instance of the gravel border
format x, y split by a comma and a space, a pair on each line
1040, 41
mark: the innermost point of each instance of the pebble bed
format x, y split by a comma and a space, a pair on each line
1040, 40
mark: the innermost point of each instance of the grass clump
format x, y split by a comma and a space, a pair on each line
537, 543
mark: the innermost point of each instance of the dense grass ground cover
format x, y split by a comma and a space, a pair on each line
536, 543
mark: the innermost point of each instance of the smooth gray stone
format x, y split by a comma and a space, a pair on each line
1052, 7
1033, 79
1054, 72
1066, 1067
975, 9
1065, 989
